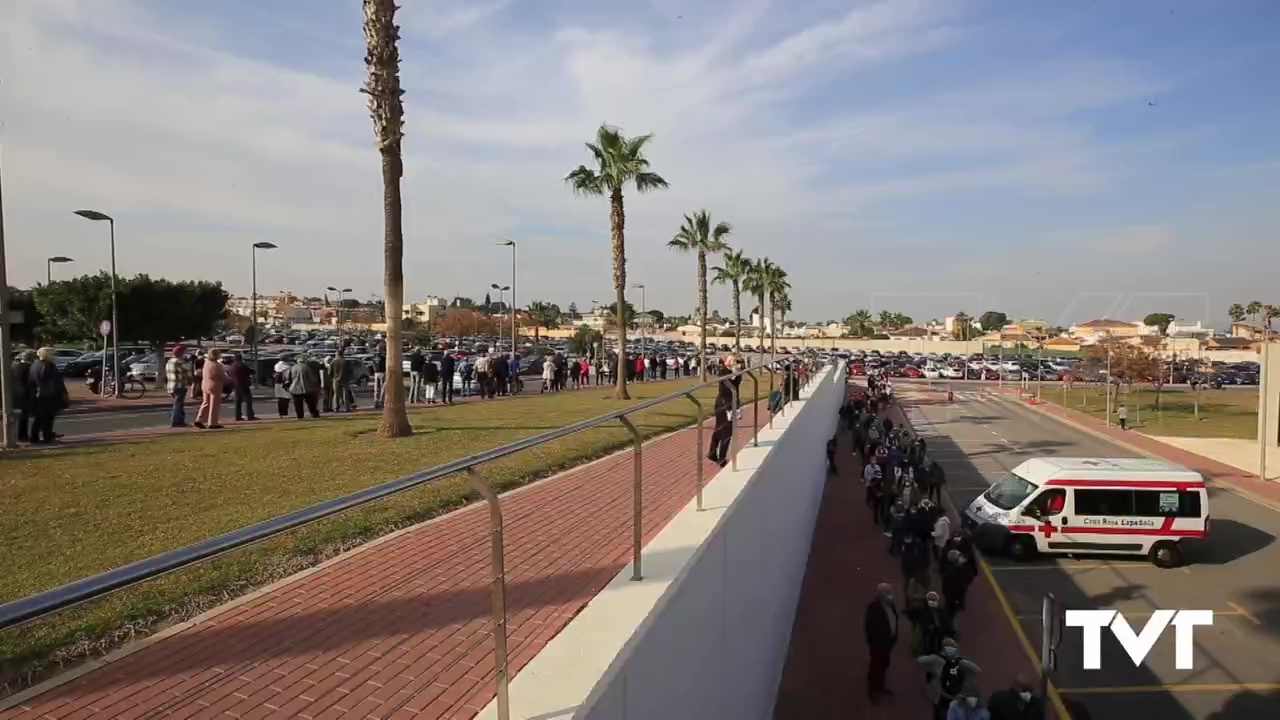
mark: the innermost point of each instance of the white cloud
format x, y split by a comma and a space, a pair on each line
202, 142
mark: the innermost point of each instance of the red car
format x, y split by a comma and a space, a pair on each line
911, 371
857, 369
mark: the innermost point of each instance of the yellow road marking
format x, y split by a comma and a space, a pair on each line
1241, 611
1054, 697
1174, 688
1081, 566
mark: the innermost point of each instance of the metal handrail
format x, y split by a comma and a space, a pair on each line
25, 609
90, 588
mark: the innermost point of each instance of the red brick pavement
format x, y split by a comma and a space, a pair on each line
400, 629
825, 672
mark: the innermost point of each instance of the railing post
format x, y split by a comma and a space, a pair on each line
733, 425
755, 410
637, 468
499, 590
697, 451
769, 402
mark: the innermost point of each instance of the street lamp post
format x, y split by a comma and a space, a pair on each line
48, 267
8, 438
643, 310
115, 313
342, 295
512, 244
502, 300
253, 321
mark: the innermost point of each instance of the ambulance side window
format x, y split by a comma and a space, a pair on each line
1166, 503
1050, 502
1104, 502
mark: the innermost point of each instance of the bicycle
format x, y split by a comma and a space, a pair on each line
132, 389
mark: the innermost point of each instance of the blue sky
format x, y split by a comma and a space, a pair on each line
924, 156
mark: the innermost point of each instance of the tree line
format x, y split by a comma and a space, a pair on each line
150, 310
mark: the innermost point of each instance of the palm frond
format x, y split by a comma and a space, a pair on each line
647, 181
585, 181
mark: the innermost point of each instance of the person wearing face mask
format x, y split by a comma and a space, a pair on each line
949, 676
1016, 703
880, 625
956, 578
967, 707
931, 626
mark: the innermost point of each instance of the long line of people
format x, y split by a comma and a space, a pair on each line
903, 490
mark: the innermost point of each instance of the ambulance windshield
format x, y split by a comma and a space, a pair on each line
1009, 492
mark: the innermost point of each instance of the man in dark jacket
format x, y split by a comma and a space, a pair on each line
416, 363
448, 365
1016, 703
242, 375
49, 394
722, 435
880, 625
24, 396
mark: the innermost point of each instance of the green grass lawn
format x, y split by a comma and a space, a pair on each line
82, 510
1223, 413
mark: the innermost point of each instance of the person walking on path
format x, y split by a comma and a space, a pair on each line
949, 676
177, 380
379, 376
430, 377
967, 707
880, 625
212, 379
722, 435
1122, 415
49, 392
280, 388
303, 382
448, 365
416, 363
24, 396
1017, 702
242, 376
548, 376
340, 371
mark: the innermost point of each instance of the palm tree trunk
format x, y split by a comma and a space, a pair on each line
618, 221
737, 317
395, 420
702, 310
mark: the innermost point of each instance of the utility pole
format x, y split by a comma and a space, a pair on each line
9, 439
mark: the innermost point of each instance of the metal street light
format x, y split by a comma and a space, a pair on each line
512, 244
503, 301
115, 313
342, 295
253, 321
643, 311
48, 267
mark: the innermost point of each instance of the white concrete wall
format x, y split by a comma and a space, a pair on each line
705, 634
716, 646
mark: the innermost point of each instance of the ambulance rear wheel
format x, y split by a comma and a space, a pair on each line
1166, 554
1021, 547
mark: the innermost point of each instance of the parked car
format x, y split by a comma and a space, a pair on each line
62, 356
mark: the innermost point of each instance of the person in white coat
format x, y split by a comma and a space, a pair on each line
941, 534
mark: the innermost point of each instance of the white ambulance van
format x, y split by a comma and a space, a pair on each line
1121, 506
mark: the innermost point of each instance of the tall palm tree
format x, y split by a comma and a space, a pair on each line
698, 235
1236, 312
1254, 309
732, 271
386, 108
777, 285
754, 283
859, 322
619, 160
783, 307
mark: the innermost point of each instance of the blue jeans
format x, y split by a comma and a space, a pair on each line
178, 415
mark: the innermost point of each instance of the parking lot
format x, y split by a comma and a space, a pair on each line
1235, 572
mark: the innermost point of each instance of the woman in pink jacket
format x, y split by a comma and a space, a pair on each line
212, 378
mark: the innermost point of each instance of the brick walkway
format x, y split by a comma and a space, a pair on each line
826, 668
399, 629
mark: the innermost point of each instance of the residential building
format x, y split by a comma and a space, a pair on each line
949, 324
1179, 328
1061, 344
427, 311
1095, 330
1234, 342
1249, 331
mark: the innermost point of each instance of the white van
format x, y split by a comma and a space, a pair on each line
1119, 506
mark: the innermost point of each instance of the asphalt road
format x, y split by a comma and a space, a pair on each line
1235, 573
